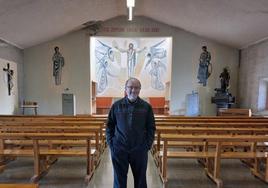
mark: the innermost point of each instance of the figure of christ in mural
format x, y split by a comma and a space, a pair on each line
58, 63
155, 58
131, 57
105, 60
204, 64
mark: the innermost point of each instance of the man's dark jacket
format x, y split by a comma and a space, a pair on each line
130, 125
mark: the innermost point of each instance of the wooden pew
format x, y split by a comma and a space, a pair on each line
52, 117
209, 118
18, 185
214, 124
46, 120
97, 140
191, 146
196, 125
40, 154
95, 127
49, 121
57, 128
203, 130
214, 157
235, 112
62, 120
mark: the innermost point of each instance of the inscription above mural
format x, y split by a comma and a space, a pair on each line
131, 29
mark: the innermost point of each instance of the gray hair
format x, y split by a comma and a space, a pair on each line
134, 79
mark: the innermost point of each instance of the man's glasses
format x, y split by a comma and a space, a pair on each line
133, 87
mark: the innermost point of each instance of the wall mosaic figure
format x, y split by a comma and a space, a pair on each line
204, 65
58, 63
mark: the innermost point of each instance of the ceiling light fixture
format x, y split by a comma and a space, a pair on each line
130, 5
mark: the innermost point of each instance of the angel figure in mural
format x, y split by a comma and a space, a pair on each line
155, 58
131, 57
104, 56
204, 65
58, 63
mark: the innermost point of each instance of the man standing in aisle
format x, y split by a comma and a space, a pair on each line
130, 135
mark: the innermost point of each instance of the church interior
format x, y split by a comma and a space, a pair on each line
202, 66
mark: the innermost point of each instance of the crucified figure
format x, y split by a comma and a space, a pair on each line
9, 78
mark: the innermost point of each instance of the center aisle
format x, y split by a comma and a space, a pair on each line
103, 177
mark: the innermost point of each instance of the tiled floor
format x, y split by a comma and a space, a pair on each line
69, 173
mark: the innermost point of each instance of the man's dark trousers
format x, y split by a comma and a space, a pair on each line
137, 159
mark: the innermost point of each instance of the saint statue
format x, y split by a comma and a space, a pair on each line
225, 77
58, 63
204, 63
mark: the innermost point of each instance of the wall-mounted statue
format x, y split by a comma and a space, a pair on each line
205, 68
225, 78
10, 73
58, 63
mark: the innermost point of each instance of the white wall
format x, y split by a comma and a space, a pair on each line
8, 103
186, 52
39, 85
39, 80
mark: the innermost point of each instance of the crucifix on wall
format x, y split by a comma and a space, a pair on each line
9, 78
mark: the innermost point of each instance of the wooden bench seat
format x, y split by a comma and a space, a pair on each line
54, 142
42, 157
56, 124
164, 117
97, 130
211, 154
214, 124
41, 125
56, 152
211, 129
205, 130
235, 112
177, 144
46, 122
211, 119
178, 154
18, 185
56, 116
213, 157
